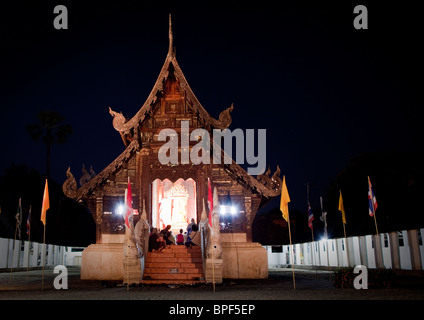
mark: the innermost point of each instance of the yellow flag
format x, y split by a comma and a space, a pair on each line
341, 208
285, 199
46, 204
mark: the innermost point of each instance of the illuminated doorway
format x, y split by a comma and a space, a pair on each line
173, 204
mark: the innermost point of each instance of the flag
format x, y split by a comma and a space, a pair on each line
324, 218
285, 199
29, 221
46, 204
128, 206
210, 202
372, 201
19, 217
310, 216
341, 208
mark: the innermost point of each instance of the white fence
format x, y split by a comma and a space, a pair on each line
23, 254
394, 250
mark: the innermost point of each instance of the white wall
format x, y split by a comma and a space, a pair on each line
354, 251
22, 254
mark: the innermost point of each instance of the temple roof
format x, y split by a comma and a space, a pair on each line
265, 185
126, 126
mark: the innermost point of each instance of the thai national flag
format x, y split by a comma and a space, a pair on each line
29, 221
310, 216
372, 201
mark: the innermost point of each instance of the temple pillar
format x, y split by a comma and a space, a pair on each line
99, 214
201, 191
249, 219
144, 178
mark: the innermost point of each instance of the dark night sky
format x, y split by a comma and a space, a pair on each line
324, 91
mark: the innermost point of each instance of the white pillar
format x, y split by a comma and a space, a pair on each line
385, 246
323, 250
297, 254
42, 248
50, 255
404, 251
34, 255
354, 247
370, 248
394, 250
363, 251
25, 263
4, 252
16, 253
414, 249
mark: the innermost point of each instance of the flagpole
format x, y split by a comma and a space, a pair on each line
379, 240
284, 208
44, 208
346, 247
375, 220
126, 231
307, 209
14, 245
43, 257
29, 239
212, 231
374, 209
18, 218
213, 270
291, 253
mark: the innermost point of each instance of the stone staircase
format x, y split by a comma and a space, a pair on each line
174, 265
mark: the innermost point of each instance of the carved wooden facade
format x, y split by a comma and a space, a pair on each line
170, 102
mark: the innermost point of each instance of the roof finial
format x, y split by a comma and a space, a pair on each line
170, 35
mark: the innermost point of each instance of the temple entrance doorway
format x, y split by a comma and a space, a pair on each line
173, 203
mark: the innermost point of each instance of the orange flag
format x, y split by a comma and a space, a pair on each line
285, 199
46, 204
341, 208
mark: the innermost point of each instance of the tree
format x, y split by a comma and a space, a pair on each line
51, 131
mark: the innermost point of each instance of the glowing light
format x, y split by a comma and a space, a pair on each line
222, 210
233, 210
120, 209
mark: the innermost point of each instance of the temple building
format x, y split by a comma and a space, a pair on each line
172, 194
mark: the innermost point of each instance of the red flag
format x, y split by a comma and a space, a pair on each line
128, 205
210, 202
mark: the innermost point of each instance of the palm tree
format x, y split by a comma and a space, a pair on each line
50, 130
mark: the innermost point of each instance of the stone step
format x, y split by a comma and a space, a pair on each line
174, 259
175, 264
167, 281
174, 248
172, 270
173, 276
174, 255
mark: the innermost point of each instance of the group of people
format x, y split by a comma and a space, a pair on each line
159, 240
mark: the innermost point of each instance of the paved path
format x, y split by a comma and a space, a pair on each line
310, 285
